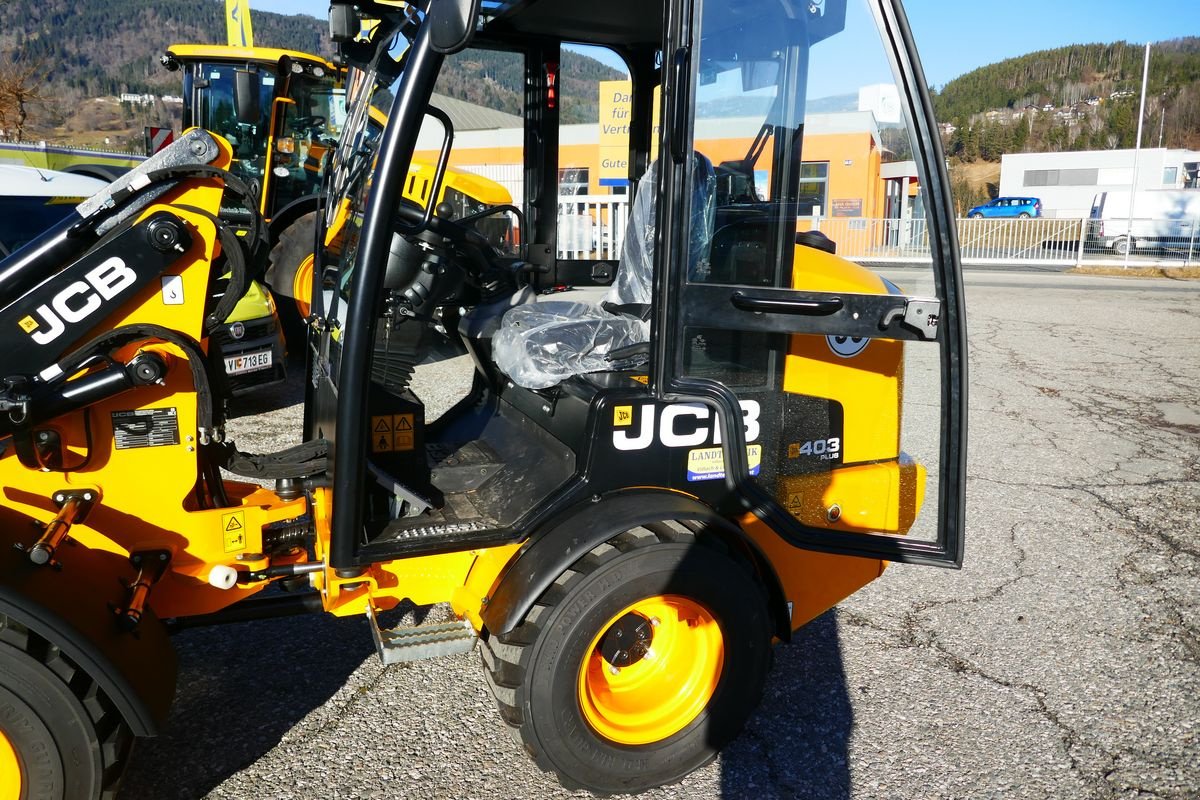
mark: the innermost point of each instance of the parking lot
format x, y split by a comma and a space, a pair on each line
1062, 661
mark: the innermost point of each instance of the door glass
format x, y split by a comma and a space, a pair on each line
309, 132
482, 92
595, 106
803, 179
218, 114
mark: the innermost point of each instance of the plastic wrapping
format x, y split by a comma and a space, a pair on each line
635, 274
541, 344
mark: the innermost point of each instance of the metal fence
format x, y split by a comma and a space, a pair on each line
593, 227
1032, 242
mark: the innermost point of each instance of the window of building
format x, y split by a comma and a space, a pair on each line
1170, 175
1062, 177
572, 181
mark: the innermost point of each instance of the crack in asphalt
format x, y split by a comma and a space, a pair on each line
915, 633
1128, 420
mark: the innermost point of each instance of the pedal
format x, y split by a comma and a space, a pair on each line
399, 645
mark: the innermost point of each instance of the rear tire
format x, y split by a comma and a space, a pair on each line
1121, 246
1023, 215
294, 245
64, 735
701, 632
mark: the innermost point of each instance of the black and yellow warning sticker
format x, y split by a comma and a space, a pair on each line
392, 433
233, 529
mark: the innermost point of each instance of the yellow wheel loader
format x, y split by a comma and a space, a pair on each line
648, 484
282, 112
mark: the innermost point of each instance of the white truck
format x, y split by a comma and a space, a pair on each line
1160, 219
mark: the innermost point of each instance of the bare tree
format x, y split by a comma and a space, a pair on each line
20, 87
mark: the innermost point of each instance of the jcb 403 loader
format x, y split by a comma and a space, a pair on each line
646, 485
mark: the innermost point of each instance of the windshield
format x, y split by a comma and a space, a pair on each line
216, 111
369, 93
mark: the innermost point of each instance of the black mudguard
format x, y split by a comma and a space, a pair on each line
562, 542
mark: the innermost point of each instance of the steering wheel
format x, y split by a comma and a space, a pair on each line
315, 121
409, 214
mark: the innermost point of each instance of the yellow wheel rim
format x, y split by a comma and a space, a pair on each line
651, 670
10, 770
302, 286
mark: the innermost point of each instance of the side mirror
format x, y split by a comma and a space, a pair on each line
247, 87
343, 22
453, 24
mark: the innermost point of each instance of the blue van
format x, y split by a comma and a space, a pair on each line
1023, 207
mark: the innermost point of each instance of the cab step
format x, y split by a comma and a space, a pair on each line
399, 645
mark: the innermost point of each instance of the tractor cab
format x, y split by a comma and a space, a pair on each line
730, 354
749, 401
280, 110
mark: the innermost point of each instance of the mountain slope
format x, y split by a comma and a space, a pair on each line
103, 48
1073, 98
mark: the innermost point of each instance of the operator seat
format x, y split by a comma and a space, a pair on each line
541, 344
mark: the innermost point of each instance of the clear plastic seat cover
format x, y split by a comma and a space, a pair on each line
540, 344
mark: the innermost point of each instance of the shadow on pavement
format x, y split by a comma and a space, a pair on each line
796, 745
241, 688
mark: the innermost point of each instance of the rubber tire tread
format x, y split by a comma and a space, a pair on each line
294, 243
507, 659
102, 739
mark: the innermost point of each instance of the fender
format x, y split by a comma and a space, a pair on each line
572, 534
71, 609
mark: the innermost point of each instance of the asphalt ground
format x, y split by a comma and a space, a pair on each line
1062, 661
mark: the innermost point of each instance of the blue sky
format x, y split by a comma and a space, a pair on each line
956, 37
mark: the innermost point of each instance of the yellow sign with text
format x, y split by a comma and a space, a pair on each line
237, 23
616, 108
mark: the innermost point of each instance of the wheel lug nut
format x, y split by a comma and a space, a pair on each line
655, 622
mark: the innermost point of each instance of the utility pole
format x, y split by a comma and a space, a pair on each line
1137, 153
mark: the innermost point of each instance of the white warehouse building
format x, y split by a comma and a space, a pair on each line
1067, 182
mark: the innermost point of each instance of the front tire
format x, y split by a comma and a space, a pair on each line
60, 736
639, 664
1121, 246
289, 274
976, 215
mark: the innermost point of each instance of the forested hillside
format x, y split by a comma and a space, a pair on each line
496, 80
1074, 98
67, 52
105, 47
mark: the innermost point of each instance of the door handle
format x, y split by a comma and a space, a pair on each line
776, 305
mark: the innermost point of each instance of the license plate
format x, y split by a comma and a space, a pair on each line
247, 362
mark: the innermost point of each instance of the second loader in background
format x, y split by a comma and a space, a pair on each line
282, 111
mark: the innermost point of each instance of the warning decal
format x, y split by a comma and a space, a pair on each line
233, 529
392, 432
708, 463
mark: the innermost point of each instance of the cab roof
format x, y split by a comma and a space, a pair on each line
610, 22
242, 55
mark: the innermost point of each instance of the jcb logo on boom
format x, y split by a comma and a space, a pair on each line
681, 425
78, 301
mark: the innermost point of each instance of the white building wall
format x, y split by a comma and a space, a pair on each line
1092, 171
883, 100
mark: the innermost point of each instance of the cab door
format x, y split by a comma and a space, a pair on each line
808, 281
